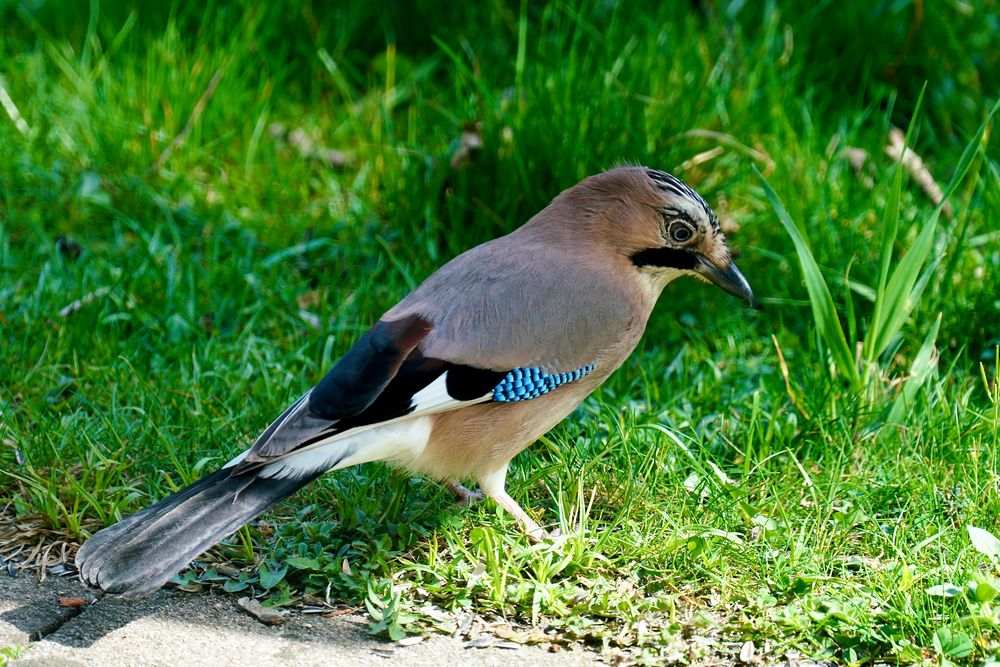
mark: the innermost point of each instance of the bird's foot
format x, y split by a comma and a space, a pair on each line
531, 528
493, 486
538, 534
463, 496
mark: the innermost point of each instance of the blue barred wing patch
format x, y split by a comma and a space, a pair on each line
522, 384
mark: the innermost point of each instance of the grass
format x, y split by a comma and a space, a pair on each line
9, 654
732, 482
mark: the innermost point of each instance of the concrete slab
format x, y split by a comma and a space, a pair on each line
208, 629
29, 609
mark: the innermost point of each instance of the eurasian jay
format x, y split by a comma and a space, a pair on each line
489, 353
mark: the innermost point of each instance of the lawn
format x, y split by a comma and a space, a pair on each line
202, 205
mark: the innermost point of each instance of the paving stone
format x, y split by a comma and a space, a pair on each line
209, 629
29, 609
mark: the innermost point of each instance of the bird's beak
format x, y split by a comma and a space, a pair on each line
728, 278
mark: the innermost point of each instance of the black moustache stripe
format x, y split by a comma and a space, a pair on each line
666, 258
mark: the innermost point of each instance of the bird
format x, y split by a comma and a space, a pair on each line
487, 354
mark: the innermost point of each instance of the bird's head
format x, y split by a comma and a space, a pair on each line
663, 226
688, 238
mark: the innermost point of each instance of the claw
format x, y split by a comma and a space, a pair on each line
493, 486
539, 534
463, 496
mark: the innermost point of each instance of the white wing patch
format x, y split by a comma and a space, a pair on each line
435, 398
401, 439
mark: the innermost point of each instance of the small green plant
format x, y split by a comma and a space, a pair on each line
992, 387
979, 593
387, 611
10, 653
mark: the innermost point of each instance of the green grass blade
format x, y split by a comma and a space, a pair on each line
824, 311
923, 364
890, 230
899, 297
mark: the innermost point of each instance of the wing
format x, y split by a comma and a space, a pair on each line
385, 378
382, 378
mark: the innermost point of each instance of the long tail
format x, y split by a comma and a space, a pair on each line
137, 555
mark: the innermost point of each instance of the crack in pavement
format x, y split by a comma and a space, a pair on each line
57, 623
29, 609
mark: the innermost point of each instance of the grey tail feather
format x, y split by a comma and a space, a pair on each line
139, 554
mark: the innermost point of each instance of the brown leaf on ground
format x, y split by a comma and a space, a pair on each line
341, 612
263, 614
528, 636
308, 299
72, 602
26, 542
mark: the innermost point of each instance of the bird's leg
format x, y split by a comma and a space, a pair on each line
463, 496
493, 485
531, 528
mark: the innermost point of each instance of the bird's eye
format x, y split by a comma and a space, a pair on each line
680, 232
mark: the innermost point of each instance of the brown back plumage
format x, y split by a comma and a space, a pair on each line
554, 293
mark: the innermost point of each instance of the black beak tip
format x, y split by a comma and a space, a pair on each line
729, 279
744, 293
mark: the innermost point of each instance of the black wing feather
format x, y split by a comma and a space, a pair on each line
374, 382
464, 383
361, 376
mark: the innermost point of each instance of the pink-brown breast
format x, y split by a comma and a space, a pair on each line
475, 441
